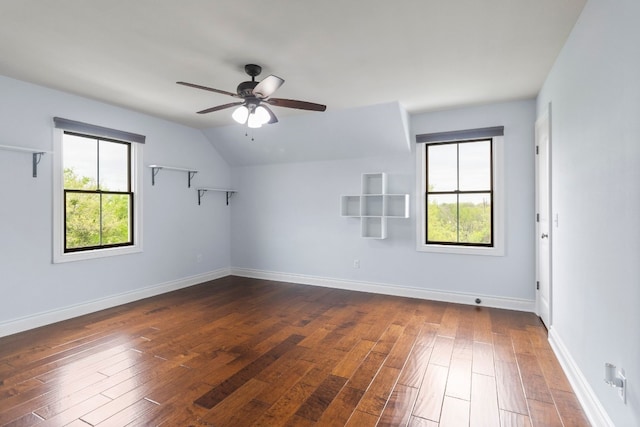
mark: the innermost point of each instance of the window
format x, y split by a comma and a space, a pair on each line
96, 193
460, 193
98, 201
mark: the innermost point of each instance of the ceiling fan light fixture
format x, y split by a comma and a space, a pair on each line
241, 114
254, 122
262, 115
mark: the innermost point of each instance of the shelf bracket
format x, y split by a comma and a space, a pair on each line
200, 194
36, 160
154, 172
190, 175
229, 194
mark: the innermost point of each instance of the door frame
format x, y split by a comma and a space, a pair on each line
544, 117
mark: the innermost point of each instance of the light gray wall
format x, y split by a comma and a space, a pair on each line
595, 94
175, 228
286, 217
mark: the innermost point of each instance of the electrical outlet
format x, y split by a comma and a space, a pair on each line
356, 263
617, 379
622, 391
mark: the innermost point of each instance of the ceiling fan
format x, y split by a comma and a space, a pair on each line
253, 110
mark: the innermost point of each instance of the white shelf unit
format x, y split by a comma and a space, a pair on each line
374, 206
203, 190
36, 155
156, 168
350, 206
395, 206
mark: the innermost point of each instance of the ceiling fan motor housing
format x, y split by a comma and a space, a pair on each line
245, 89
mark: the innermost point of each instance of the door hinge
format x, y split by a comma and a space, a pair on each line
538, 285
537, 217
537, 152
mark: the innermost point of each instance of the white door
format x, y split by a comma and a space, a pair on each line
543, 217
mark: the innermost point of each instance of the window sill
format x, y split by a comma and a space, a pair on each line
95, 254
460, 250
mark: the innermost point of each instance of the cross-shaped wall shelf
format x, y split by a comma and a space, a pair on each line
374, 206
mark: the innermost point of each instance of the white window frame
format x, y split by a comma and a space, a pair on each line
59, 255
498, 248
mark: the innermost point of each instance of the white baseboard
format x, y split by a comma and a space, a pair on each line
594, 410
388, 289
53, 316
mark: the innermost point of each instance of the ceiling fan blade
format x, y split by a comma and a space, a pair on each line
267, 86
220, 107
273, 119
224, 92
292, 103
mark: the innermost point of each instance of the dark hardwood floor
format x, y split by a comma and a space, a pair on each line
242, 352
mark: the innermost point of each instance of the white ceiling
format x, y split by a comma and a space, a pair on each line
424, 54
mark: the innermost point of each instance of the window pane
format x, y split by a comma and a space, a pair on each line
475, 166
442, 218
80, 162
82, 214
114, 166
475, 218
442, 167
116, 214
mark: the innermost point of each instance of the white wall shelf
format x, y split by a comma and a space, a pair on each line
374, 206
350, 206
203, 190
156, 168
36, 155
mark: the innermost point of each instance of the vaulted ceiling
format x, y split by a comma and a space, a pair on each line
422, 54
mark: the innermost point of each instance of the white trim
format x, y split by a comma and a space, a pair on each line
594, 410
58, 254
389, 289
53, 316
499, 203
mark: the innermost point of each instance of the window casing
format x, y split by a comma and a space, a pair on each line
459, 186
97, 194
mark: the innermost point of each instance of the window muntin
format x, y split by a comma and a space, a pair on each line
459, 193
98, 197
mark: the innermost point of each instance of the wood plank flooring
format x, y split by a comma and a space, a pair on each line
246, 352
